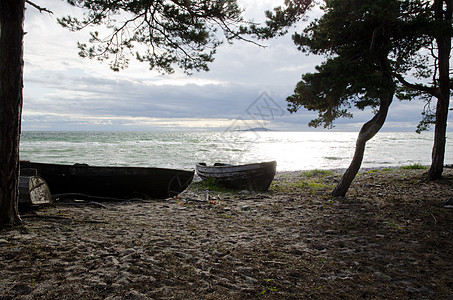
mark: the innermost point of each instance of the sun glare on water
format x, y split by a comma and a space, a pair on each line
303, 150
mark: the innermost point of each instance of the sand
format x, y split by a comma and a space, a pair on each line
390, 238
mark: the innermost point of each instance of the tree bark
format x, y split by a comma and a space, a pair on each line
11, 85
368, 130
444, 48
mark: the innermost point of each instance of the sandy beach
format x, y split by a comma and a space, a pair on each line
391, 237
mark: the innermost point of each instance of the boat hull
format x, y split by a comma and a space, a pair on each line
257, 177
115, 182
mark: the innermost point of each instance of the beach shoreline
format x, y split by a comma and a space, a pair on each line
391, 237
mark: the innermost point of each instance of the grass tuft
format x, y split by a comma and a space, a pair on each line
212, 185
317, 173
312, 179
414, 167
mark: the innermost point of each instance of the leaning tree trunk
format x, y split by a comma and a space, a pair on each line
11, 84
443, 100
368, 130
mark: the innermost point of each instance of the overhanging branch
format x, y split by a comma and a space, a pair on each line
41, 9
418, 87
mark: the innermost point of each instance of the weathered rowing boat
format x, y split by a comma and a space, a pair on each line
115, 182
33, 190
255, 177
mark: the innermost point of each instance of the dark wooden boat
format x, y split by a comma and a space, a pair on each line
256, 177
114, 182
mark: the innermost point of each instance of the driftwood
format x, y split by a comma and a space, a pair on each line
77, 202
33, 190
79, 196
64, 219
46, 217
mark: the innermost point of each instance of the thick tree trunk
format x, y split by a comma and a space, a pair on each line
368, 130
443, 100
11, 84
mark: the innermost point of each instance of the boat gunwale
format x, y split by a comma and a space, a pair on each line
86, 166
246, 167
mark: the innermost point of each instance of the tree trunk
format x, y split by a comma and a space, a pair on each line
368, 130
11, 85
443, 101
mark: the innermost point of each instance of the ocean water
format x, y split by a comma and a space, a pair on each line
292, 150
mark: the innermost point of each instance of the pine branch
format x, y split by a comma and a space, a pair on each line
41, 9
418, 87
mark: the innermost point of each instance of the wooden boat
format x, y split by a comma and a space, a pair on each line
114, 182
256, 177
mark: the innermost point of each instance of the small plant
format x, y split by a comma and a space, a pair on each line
212, 185
287, 186
269, 287
393, 225
317, 173
66, 229
350, 224
416, 166
90, 257
318, 186
130, 268
24, 230
225, 216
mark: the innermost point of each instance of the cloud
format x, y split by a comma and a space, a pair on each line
65, 92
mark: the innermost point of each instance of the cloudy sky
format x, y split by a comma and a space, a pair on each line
246, 86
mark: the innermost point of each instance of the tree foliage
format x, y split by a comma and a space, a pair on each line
351, 29
356, 36
281, 18
372, 47
337, 86
163, 33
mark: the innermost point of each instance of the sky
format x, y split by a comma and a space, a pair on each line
245, 88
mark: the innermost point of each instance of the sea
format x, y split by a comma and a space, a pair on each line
182, 150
